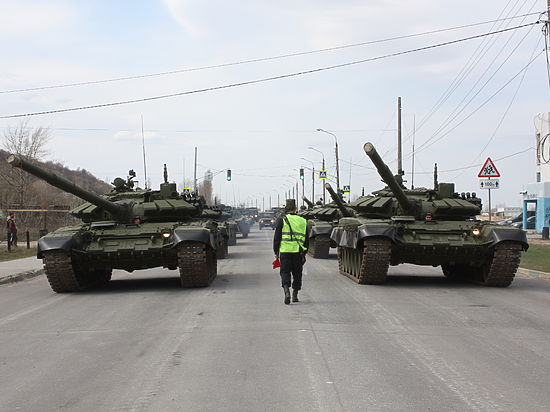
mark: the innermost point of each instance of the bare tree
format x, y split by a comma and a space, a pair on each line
28, 143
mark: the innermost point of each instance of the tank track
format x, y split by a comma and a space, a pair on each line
223, 251
500, 272
61, 274
368, 265
319, 246
197, 264
232, 240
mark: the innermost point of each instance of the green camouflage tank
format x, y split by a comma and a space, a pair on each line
321, 220
434, 227
128, 229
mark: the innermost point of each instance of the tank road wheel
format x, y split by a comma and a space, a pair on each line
319, 246
197, 264
61, 274
103, 275
375, 262
455, 272
503, 266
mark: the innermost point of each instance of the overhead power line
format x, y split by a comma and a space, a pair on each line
261, 59
267, 79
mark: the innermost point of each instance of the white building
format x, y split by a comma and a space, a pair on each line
539, 192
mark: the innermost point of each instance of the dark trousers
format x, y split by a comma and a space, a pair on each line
291, 263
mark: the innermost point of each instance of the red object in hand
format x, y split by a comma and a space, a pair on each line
276, 263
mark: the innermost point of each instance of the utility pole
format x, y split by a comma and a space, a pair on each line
414, 137
337, 161
303, 191
399, 154
143, 149
324, 190
269, 202
195, 173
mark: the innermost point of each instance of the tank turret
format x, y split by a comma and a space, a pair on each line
346, 212
117, 210
309, 202
386, 174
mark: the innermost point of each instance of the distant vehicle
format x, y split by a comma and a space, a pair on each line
518, 218
530, 223
267, 220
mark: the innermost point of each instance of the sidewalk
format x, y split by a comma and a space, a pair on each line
19, 269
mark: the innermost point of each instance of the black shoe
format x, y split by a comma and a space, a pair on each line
295, 295
287, 295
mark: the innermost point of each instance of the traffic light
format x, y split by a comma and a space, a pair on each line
302, 173
228, 175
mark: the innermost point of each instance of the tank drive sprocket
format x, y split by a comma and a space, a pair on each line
197, 264
61, 274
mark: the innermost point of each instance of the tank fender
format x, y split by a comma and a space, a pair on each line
222, 230
344, 238
497, 236
366, 231
194, 235
46, 244
320, 230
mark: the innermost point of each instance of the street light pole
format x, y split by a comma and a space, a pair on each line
336, 153
312, 179
323, 156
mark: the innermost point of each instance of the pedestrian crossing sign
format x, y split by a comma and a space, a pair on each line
322, 174
186, 191
346, 189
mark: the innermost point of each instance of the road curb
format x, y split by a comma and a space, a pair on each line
533, 273
18, 277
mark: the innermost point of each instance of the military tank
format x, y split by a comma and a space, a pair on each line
435, 227
321, 220
224, 230
128, 228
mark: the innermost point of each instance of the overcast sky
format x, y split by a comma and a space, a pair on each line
261, 131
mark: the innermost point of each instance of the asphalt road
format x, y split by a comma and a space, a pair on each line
142, 343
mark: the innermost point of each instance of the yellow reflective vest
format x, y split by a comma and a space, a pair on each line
292, 243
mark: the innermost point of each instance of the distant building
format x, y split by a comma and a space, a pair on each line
539, 192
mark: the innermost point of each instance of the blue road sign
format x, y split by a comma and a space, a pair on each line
322, 174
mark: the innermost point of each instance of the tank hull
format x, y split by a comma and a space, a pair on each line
464, 244
76, 257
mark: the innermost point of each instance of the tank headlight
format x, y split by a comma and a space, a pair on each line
272, 221
166, 235
476, 232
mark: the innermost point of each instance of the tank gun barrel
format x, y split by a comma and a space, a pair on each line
63, 184
345, 211
309, 202
386, 174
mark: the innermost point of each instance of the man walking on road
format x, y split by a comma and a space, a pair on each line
290, 243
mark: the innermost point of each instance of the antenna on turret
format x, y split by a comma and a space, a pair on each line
165, 174
436, 183
143, 148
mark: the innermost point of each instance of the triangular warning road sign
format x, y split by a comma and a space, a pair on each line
489, 169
